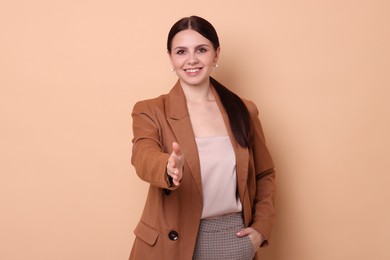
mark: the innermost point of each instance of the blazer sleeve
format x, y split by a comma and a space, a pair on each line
264, 210
148, 156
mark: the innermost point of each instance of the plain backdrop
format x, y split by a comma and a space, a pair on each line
71, 71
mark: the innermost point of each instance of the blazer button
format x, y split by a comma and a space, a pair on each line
167, 192
173, 235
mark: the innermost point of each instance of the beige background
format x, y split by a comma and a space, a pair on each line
70, 72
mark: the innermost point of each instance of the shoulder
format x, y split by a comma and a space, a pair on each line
149, 105
251, 106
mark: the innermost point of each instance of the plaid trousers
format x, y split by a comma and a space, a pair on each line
217, 239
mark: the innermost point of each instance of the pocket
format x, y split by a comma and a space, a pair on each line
250, 246
146, 233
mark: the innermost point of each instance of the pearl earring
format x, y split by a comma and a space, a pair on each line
172, 69
215, 65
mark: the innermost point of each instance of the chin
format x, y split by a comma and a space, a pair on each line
194, 82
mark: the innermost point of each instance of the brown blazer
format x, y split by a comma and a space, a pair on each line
169, 223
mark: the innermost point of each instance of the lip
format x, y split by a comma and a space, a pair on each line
193, 71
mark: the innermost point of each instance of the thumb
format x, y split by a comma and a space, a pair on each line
176, 148
243, 232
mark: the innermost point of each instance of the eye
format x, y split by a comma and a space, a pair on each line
180, 52
202, 50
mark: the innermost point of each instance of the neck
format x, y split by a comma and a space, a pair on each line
198, 93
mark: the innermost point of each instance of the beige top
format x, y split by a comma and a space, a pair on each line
218, 171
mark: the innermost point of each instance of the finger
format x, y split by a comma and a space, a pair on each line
243, 232
172, 171
175, 177
176, 149
172, 163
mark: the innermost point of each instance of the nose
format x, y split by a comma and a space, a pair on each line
193, 59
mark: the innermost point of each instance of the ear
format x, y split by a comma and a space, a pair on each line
217, 55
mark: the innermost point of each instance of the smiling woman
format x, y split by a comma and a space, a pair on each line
202, 150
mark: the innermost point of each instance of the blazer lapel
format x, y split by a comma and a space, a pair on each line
179, 120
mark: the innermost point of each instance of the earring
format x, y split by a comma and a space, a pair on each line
215, 65
172, 69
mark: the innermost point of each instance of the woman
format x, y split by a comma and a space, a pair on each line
202, 150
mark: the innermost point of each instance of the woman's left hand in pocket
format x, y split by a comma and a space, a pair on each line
255, 236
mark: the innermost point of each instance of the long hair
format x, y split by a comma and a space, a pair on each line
238, 113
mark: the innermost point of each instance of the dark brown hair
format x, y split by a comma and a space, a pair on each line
236, 110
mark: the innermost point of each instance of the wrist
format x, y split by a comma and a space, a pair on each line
168, 179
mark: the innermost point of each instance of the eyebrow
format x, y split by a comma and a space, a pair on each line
196, 47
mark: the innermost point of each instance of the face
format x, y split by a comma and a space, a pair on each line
193, 57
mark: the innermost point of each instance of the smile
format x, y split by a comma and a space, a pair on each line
192, 70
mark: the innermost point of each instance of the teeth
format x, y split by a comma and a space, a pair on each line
192, 70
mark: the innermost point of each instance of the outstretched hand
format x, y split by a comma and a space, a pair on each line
175, 164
